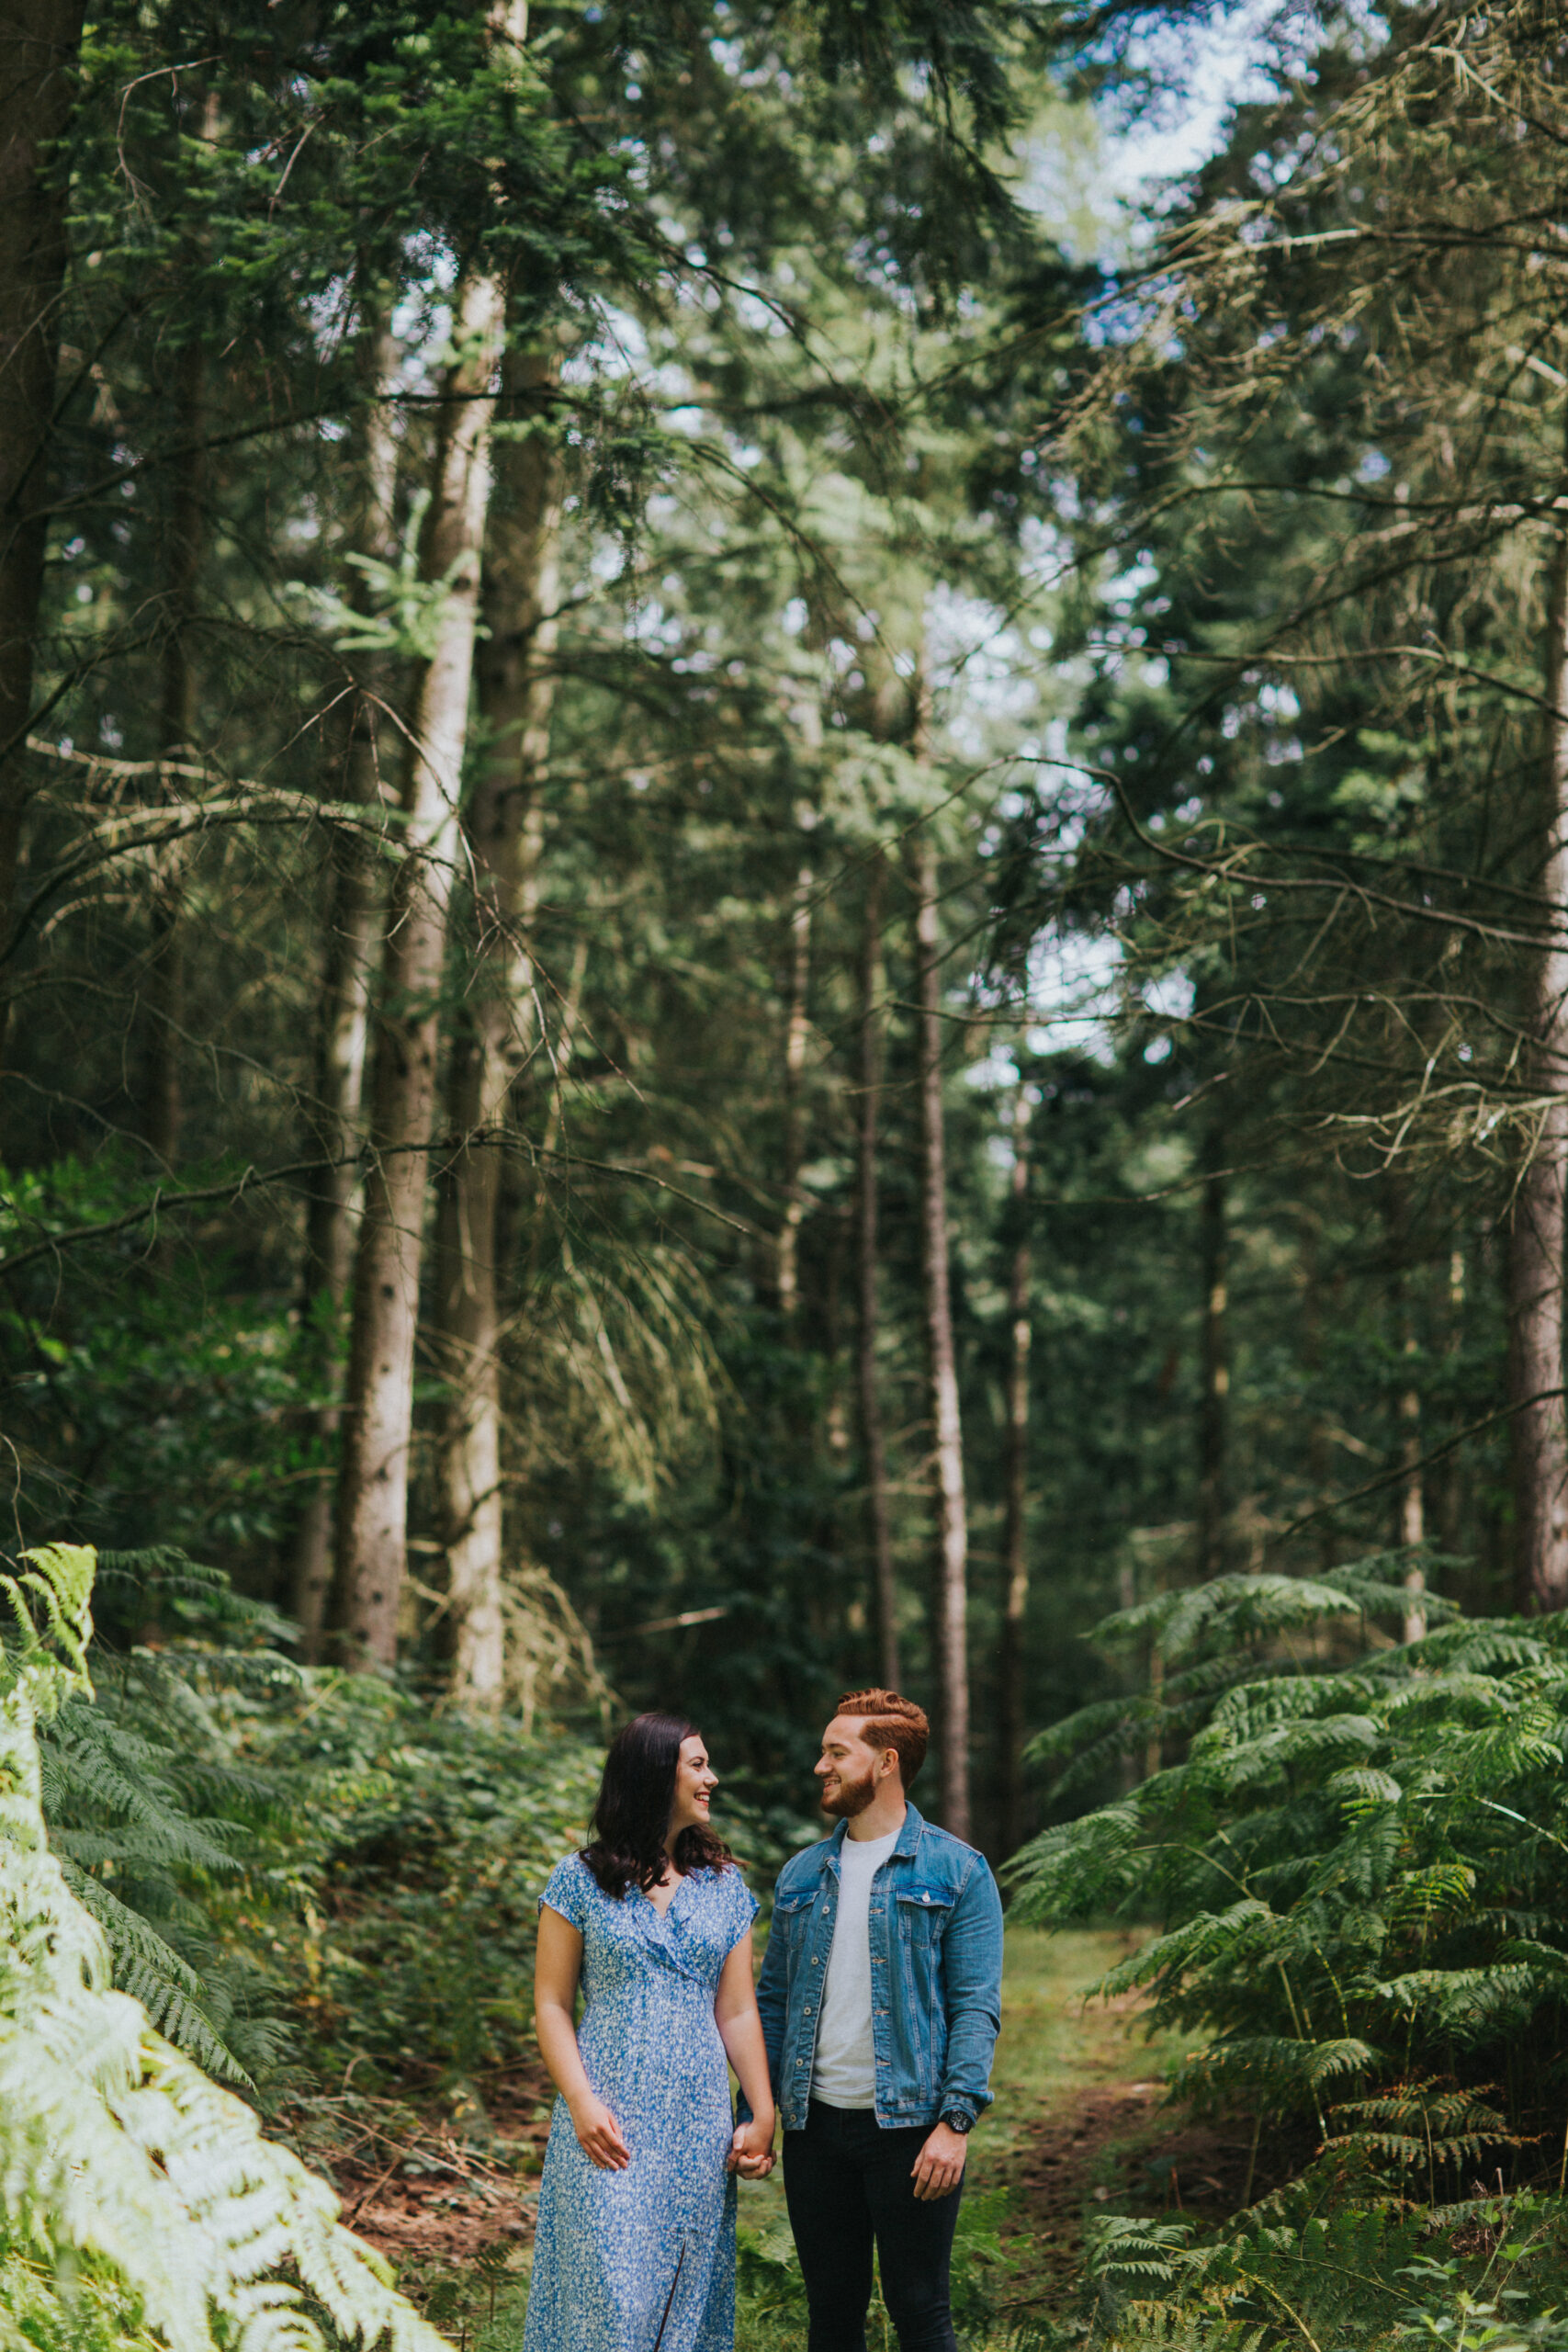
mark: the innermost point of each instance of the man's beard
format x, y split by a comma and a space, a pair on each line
852, 1797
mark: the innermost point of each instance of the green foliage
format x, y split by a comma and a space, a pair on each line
116, 2148
1328, 2263
420, 1850
73, 2304
300, 1871
1357, 1866
142, 1408
162, 1833
399, 612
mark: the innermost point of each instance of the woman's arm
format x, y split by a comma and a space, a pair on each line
740, 2031
556, 1971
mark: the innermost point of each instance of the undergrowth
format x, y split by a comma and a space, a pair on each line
1356, 1849
1329, 2263
311, 1877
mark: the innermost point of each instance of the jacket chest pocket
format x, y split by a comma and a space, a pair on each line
923, 1913
792, 1918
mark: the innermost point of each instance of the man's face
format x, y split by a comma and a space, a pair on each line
846, 1769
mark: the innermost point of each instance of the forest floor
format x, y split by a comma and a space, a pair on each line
1079, 2125
1080, 2121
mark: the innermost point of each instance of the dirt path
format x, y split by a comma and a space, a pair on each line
1080, 2122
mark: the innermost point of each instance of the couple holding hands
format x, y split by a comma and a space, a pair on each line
869, 2035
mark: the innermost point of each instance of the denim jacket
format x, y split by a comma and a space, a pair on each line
936, 1973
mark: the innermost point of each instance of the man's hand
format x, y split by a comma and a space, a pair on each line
939, 2168
752, 2150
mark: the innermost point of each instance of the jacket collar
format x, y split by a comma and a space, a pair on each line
909, 1838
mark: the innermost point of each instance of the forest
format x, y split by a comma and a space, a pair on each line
783, 902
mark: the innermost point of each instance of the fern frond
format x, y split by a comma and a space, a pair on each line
152, 1972
112, 2142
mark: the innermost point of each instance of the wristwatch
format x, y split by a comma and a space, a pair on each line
959, 2122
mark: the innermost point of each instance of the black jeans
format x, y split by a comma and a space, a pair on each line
848, 2182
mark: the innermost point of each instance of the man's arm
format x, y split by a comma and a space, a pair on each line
972, 1962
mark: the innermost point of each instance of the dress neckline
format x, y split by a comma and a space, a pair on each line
681, 1878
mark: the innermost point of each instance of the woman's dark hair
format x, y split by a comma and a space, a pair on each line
631, 1814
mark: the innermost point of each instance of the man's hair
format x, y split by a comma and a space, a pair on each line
893, 1722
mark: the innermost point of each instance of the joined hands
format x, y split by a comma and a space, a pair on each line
752, 2150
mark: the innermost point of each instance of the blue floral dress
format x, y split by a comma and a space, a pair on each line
618, 2256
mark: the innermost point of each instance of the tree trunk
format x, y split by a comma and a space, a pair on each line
379, 1409
1016, 1540
1450, 1485
184, 532
1407, 1411
1536, 1254
796, 1029
1214, 1403
873, 1443
40, 40
1412, 1500
182, 545
345, 1001
1320, 1454
516, 689
949, 1621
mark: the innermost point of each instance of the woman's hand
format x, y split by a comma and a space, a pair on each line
599, 2135
752, 2150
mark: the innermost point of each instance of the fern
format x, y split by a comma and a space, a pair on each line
150, 1816
113, 2144
1359, 1871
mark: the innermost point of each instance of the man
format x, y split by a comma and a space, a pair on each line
881, 1996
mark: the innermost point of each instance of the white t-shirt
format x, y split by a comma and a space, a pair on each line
844, 2071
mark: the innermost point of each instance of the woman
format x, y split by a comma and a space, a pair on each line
636, 2244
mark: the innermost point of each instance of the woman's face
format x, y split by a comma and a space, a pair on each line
695, 1781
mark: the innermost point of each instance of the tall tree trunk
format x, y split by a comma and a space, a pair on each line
1015, 1603
515, 689
1450, 1485
345, 997
379, 1406
183, 536
796, 1027
181, 548
950, 1599
1319, 1428
873, 1443
1412, 1527
1213, 1401
1537, 1250
40, 42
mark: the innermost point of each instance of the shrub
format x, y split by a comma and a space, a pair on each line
117, 2154
1358, 1867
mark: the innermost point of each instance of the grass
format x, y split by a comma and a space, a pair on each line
1053, 2045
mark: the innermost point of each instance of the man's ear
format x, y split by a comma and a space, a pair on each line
888, 1761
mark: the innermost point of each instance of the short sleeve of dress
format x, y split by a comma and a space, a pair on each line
566, 1891
743, 1907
